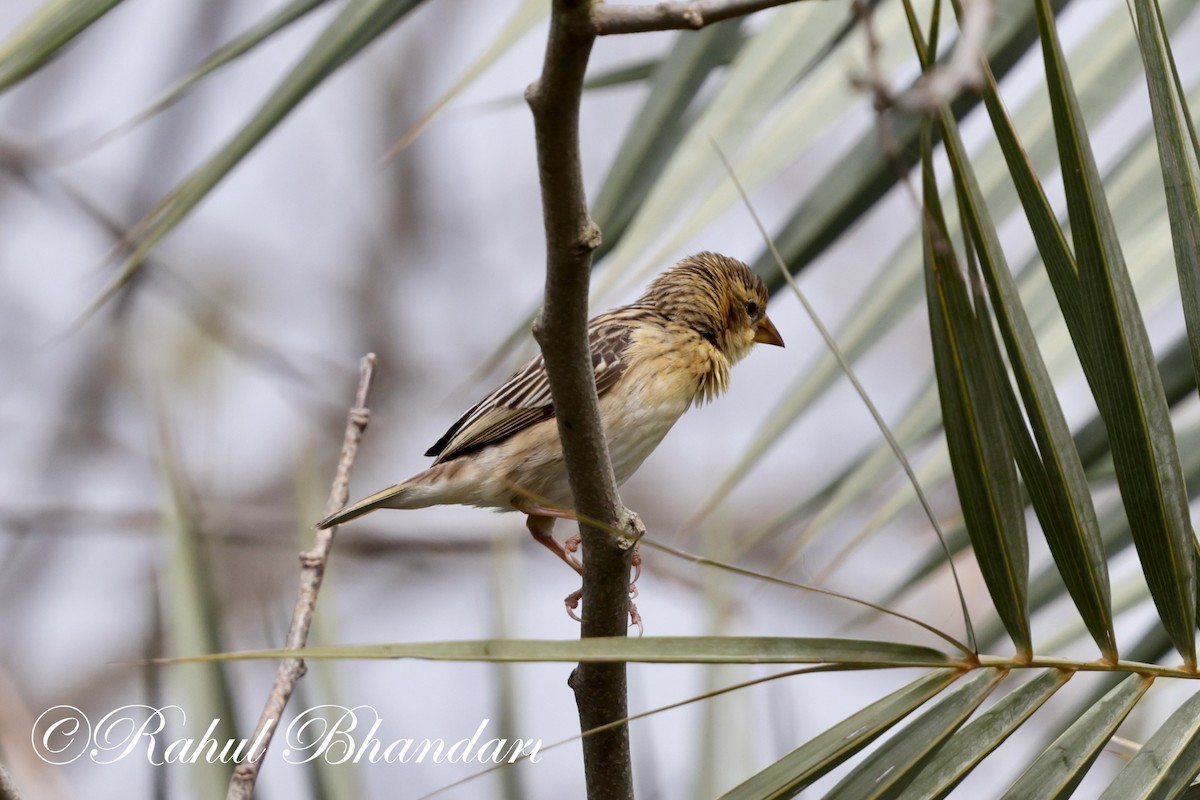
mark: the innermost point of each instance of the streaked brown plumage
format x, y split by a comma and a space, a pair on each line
653, 359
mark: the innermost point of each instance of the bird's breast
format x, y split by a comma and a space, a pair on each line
649, 399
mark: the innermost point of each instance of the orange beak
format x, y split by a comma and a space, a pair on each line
765, 333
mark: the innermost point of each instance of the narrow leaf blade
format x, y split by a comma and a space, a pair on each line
807, 763
1053, 472
1178, 156
44, 34
1109, 333
1167, 762
984, 471
358, 24
649, 649
890, 768
1061, 766
983, 735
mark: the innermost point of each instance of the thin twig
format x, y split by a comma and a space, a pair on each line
312, 571
606, 19
876, 82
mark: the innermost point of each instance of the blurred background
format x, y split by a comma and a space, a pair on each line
164, 457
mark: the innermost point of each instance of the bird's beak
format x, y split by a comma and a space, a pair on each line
765, 333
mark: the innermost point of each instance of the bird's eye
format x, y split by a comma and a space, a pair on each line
752, 308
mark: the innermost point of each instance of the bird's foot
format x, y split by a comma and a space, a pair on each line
570, 548
571, 601
635, 618
636, 562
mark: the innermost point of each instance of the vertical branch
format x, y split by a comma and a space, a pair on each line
312, 573
561, 331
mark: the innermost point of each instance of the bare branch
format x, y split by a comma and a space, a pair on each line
561, 331
606, 19
312, 572
964, 70
938, 85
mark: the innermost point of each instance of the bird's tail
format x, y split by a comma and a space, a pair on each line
398, 496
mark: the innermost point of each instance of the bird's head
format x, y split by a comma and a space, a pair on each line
720, 298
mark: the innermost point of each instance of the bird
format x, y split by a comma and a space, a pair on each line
653, 359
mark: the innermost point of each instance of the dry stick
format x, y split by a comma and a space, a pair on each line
312, 572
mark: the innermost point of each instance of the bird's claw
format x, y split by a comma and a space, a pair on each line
571, 547
635, 561
571, 601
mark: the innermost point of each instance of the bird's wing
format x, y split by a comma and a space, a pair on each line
524, 399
